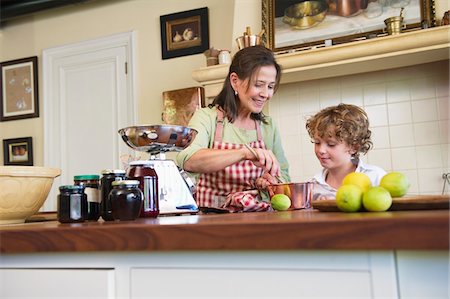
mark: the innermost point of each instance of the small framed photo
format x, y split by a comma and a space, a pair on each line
184, 33
19, 89
18, 151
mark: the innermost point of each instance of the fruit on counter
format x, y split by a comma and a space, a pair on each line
396, 183
377, 199
359, 179
349, 198
287, 190
280, 202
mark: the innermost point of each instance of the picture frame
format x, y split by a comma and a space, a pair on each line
19, 96
179, 105
18, 151
184, 33
338, 25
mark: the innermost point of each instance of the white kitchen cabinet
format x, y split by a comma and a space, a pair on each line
227, 274
423, 274
283, 274
56, 283
249, 283
210, 274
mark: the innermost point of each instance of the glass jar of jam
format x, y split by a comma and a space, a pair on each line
108, 176
126, 200
72, 204
144, 172
91, 186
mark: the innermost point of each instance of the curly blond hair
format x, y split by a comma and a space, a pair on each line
347, 123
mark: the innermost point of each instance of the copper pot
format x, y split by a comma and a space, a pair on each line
347, 8
300, 194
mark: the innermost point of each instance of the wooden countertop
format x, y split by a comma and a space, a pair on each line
290, 230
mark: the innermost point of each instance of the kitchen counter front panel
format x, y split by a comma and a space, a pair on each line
291, 230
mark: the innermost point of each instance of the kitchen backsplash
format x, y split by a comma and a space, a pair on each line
408, 110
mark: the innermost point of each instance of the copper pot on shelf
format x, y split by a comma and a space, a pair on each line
347, 8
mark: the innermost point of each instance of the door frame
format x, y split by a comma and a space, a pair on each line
50, 58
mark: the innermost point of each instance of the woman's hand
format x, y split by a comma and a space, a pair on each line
265, 180
265, 159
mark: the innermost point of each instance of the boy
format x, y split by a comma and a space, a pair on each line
340, 133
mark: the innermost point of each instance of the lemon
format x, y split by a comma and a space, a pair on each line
377, 199
359, 179
349, 198
287, 190
396, 183
280, 202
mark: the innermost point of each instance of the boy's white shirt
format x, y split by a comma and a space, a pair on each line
324, 191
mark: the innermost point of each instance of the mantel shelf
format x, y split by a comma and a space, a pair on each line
406, 49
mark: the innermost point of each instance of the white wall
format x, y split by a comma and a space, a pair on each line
28, 36
419, 156
408, 110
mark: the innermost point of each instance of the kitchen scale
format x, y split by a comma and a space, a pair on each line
176, 188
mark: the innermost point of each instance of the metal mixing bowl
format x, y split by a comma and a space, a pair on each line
305, 14
157, 138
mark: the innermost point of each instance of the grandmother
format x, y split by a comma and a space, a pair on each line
237, 152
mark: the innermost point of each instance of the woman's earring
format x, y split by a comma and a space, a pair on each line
235, 93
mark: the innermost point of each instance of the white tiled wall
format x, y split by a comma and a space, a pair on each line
408, 110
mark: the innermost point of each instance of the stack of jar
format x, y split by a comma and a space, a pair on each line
118, 195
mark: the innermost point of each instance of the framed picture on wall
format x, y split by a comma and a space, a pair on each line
18, 151
19, 89
179, 105
292, 24
184, 33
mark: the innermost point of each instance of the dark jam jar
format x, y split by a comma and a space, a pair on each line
108, 177
126, 200
91, 185
144, 172
72, 204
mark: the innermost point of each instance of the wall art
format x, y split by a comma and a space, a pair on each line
179, 105
293, 24
184, 33
18, 151
19, 89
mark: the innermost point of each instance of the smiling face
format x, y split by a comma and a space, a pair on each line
332, 153
253, 93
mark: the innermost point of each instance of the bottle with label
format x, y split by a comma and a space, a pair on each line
91, 186
108, 177
72, 204
144, 172
126, 200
